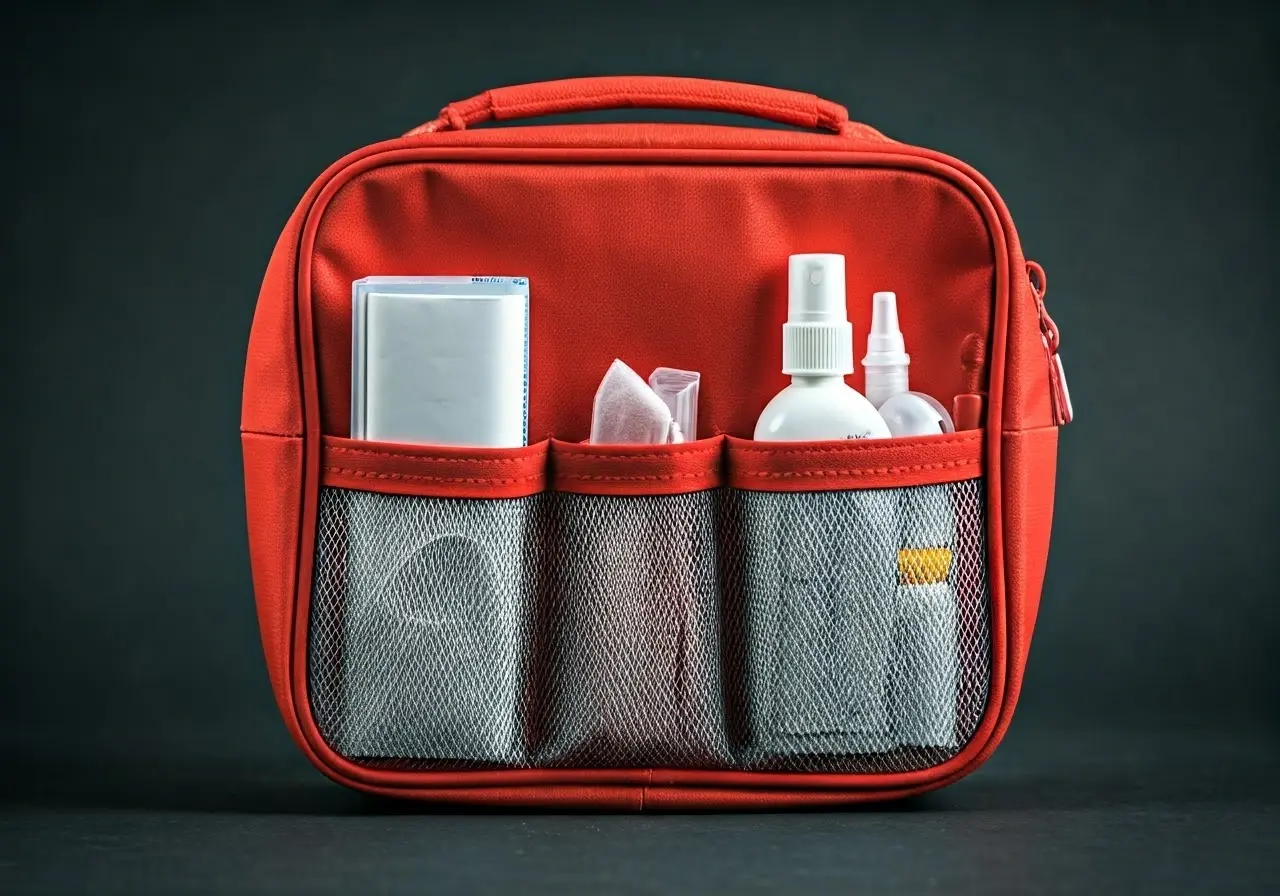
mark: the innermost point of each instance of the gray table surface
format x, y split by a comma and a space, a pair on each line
1100, 812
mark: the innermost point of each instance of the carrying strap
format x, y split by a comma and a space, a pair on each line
645, 92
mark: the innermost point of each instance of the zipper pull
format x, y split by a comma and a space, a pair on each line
1059, 395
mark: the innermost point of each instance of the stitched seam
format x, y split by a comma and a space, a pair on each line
271, 435
794, 111
662, 96
656, 458
365, 474
876, 471
582, 476
524, 459
843, 449
605, 458
1018, 432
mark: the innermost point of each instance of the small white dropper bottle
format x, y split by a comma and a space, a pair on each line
817, 351
886, 362
886, 366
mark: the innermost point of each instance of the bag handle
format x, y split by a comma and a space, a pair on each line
645, 92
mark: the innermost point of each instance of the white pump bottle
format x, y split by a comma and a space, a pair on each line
817, 351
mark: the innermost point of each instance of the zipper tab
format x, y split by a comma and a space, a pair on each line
1059, 395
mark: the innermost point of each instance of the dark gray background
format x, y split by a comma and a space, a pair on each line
153, 156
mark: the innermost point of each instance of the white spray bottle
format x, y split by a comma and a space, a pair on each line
817, 352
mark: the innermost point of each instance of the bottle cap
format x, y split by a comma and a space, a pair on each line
817, 339
885, 339
886, 360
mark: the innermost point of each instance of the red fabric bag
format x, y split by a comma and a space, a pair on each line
720, 623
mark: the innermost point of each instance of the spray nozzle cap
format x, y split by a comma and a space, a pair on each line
817, 339
885, 335
886, 360
816, 293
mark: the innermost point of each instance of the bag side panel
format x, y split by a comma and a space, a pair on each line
271, 423
273, 500
1030, 464
272, 397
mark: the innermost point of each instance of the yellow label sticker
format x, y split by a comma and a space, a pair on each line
923, 566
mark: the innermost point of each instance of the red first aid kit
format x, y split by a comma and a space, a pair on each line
716, 623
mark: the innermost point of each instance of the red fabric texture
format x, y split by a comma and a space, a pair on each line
435, 471
854, 464
663, 245
649, 469
723, 268
637, 469
272, 382
1030, 467
273, 500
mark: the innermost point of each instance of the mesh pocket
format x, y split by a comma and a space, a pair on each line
857, 626
421, 621
633, 634
843, 631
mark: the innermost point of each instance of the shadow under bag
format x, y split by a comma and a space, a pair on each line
717, 623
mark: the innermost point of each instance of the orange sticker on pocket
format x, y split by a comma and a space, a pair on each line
923, 566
